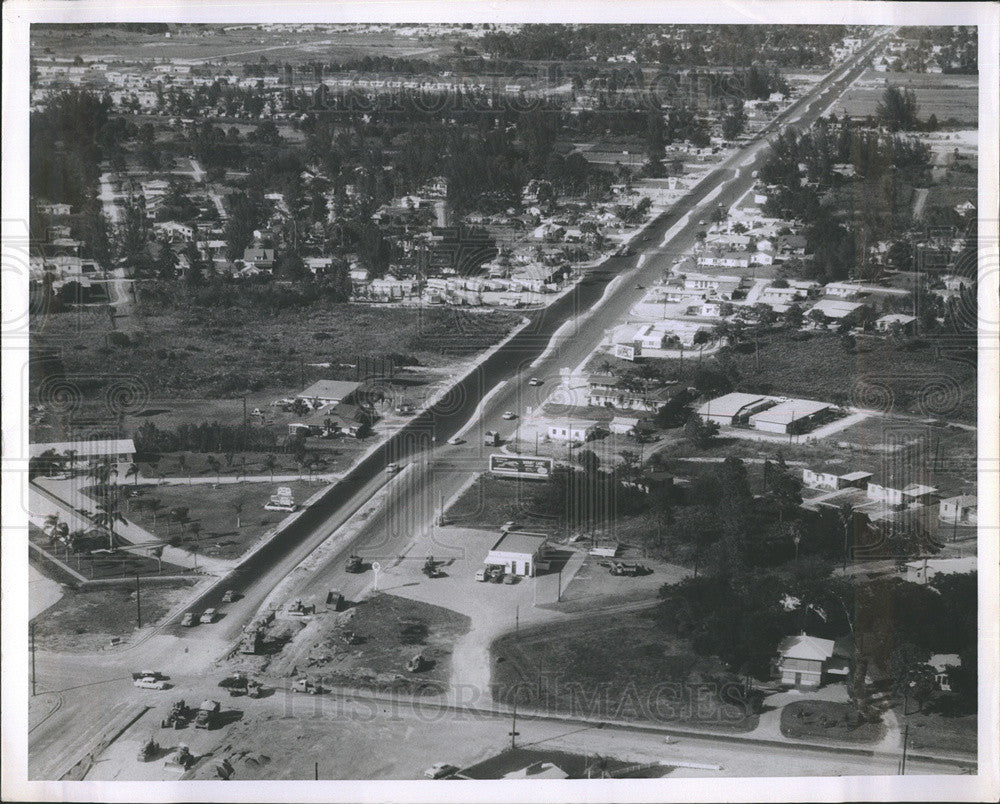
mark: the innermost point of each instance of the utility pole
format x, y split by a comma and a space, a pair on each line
138, 605
517, 620
906, 738
316, 771
513, 726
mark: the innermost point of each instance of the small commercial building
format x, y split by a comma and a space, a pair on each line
734, 408
328, 392
815, 479
791, 416
118, 450
577, 430
518, 552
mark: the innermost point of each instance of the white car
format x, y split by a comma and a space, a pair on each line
456, 440
440, 770
392, 468
508, 415
534, 381
150, 683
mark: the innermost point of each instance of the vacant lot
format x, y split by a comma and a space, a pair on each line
622, 665
120, 564
491, 501
86, 620
389, 631
827, 721
210, 526
229, 352
946, 96
935, 731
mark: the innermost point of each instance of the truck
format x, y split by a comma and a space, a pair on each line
431, 569
354, 564
208, 714
491, 438
208, 616
303, 684
252, 641
299, 609
178, 717
181, 759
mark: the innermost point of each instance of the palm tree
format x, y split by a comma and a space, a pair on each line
71, 456
237, 506
182, 465
270, 462
133, 472
108, 516
215, 466
51, 526
154, 505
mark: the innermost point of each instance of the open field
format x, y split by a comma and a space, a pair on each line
214, 512
946, 96
826, 721
216, 42
86, 620
934, 731
622, 665
202, 352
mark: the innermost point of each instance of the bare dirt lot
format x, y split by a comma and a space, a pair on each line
945, 96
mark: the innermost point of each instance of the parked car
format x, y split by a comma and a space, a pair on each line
150, 683
456, 440
534, 381
228, 596
392, 468
208, 616
508, 415
189, 619
440, 770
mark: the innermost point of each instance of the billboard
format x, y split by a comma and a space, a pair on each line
531, 468
625, 351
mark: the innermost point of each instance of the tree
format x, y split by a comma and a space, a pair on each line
906, 663
107, 516
898, 109
133, 472
700, 433
588, 459
215, 466
734, 121
269, 465
237, 506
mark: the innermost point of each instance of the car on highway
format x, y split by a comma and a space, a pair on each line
440, 770
640, 287
508, 415
456, 440
534, 381
150, 683
208, 616
229, 596
189, 619
392, 468
701, 223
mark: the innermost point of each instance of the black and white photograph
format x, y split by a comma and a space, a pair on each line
579, 402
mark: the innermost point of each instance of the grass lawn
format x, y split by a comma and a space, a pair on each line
619, 666
121, 564
491, 501
214, 511
934, 731
86, 620
229, 352
826, 720
391, 631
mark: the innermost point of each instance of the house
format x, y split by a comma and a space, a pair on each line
962, 509
835, 309
262, 258
804, 661
734, 408
941, 662
328, 392
577, 430
926, 569
842, 290
54, 209
889, 322
829, 480
517, 552
607, 393
791, 416
624, 425
911, 494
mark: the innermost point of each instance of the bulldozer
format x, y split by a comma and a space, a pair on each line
416, 663
254, 688
431, 569
354, 564
178, 717
181, 759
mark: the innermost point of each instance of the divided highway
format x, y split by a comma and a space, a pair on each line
581, 317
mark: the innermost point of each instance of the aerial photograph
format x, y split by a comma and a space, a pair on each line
495, 401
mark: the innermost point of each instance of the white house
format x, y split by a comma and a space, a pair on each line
328, 392
926, 569
962, 509
803, 660
887, 322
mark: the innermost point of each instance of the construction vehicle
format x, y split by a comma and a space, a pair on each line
335, 599
208, 714
254, 688
354, 564
253, 641
181, 759
491, 438
303, 684
416, 663
178, 717
149, 750
235, 683
626, 569
299, 609
431, 569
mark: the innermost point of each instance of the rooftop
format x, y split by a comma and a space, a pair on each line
86, 449
329, 389
514, 541
790, 410
730, 404
804, 646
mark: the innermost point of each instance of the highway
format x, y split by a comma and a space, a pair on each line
559, 336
